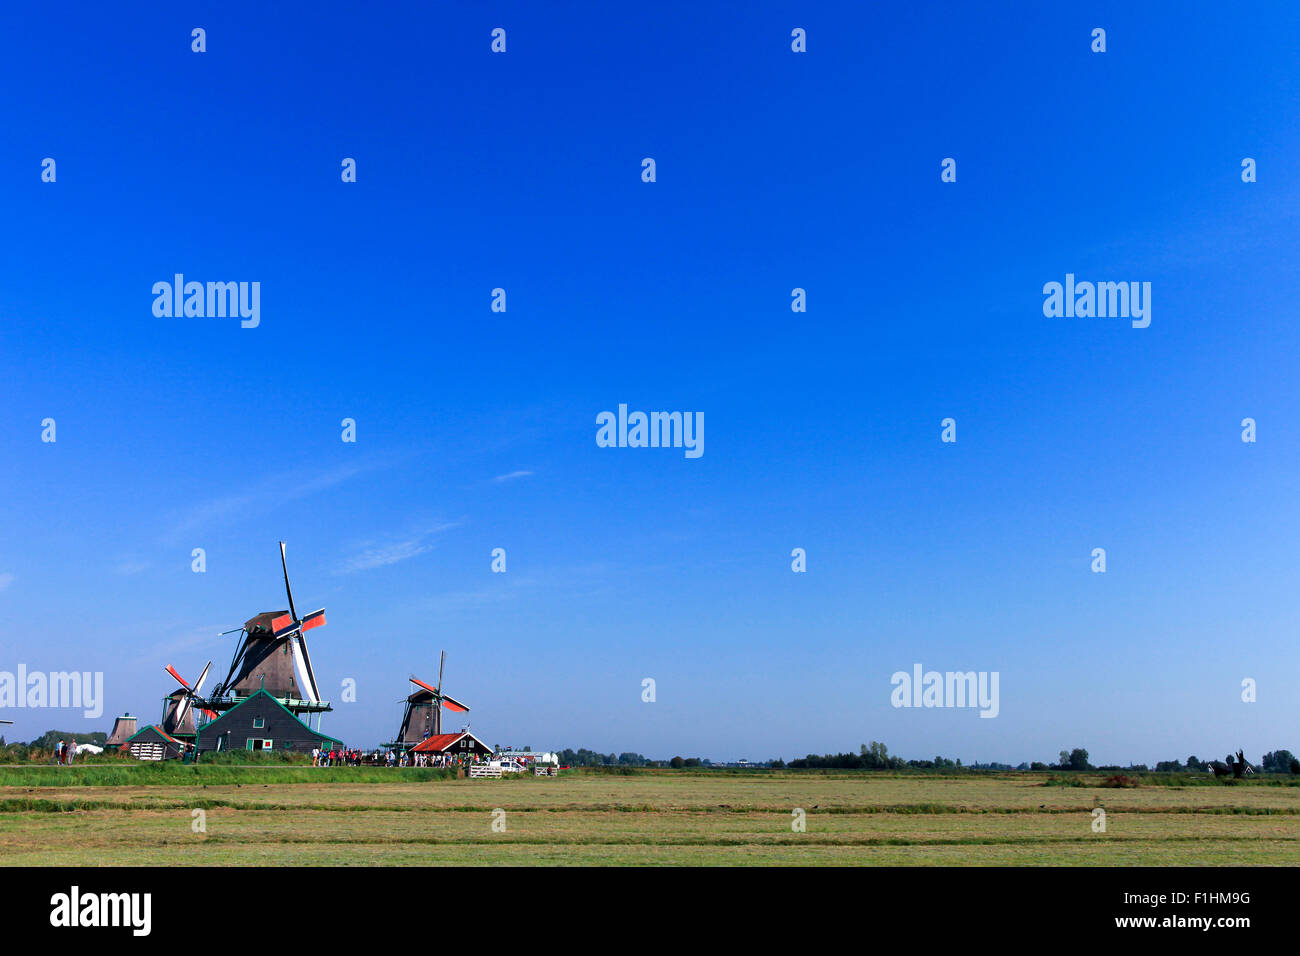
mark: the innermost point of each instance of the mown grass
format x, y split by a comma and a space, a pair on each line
648, 819
176, 774
240, 767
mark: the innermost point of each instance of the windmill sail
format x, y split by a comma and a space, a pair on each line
178, 717
302, 665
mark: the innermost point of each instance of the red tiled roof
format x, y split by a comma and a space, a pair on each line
436, 743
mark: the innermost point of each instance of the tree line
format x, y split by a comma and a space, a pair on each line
875, 756
43, 746
583, 757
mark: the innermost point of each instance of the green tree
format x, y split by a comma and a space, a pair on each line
1279, 761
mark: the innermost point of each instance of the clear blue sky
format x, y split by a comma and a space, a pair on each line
775, 170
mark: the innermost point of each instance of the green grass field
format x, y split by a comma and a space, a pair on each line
655, 818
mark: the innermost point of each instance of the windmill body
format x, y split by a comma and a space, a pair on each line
178, 716
417, 720
422, 717
270, 663
124, 728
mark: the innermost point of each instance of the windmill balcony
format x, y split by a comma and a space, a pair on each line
227, 701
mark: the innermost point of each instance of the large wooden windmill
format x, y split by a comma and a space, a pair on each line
423, 715
272, 655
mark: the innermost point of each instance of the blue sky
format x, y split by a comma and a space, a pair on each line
775, 170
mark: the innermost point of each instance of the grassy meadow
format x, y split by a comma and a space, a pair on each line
291, 816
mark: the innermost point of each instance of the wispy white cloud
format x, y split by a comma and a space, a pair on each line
266, 494
129, 566
386, 555
177, 647
381, 554
512, 475
577, 582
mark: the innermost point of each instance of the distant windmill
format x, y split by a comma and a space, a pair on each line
1241, 767
423, 715
123, 730
178, 718
1238, 768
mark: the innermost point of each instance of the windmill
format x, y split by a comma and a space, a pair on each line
178, 713
423, 715
272, 655
123, 730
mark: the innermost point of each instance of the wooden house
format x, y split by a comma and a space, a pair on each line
153, 743
261, 722
463, 744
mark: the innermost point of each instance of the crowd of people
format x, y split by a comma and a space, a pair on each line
64, 752
336, 757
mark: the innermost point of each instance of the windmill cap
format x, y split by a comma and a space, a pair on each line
262, 622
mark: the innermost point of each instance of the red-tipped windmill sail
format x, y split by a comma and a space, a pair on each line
192, 693
291, 626
431, 690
